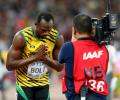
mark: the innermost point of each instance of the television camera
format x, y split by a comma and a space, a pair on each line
106, 26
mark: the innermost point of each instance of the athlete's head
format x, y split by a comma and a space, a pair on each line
44, 23
82, 24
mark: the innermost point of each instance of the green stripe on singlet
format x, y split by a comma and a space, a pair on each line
21, 92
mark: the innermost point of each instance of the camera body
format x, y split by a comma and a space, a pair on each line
105, 27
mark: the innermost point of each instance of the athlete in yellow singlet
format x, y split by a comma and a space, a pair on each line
32, 52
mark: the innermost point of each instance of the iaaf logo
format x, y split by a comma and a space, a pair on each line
91, 55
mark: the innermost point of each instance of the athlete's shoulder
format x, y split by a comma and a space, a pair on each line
55, 34
22, 34
27, 29
54, 30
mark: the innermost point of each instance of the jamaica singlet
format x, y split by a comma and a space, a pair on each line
36, 73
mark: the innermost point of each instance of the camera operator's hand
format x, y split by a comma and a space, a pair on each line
42, 53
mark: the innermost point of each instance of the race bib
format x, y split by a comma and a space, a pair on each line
37, 69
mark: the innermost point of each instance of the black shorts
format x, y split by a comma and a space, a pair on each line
95, 96
33, 93
89, 95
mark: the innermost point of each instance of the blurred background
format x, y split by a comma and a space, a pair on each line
18, 14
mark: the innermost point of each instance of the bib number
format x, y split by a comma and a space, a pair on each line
99, 86
37, 69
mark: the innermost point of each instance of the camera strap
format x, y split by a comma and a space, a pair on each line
83, 92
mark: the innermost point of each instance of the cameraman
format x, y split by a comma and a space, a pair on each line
85, 63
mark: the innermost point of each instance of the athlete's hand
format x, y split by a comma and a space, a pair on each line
41, 53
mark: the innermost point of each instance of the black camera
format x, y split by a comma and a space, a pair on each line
105, 27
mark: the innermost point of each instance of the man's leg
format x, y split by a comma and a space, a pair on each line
42, 93
94, 96
24, 93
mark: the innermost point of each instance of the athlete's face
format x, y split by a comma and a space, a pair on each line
43, 27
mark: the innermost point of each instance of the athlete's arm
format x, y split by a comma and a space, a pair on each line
54, 63
14, 56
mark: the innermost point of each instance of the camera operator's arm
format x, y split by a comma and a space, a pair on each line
53, 63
